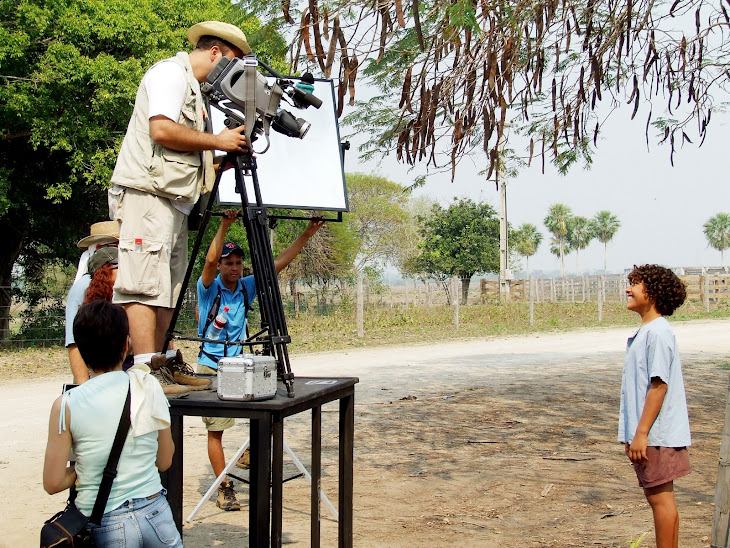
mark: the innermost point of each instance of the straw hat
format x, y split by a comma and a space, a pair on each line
225, 31
105, 232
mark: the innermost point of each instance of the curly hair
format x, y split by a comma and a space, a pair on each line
102, 283
662, 285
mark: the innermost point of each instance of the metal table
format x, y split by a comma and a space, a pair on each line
267, 423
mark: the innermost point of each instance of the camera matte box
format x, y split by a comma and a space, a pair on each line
247, 378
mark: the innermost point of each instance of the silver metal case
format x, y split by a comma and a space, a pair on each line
247, 378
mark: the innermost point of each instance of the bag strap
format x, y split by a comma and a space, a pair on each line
213, 312
110, 470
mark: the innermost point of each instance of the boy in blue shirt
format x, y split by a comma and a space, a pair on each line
222, 276
653, 418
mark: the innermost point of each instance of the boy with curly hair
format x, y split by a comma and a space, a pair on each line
653, 418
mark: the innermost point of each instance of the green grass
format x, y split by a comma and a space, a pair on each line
399, 325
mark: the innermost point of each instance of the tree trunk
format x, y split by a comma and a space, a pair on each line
465, 282
10, 245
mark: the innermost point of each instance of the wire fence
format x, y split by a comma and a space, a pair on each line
43, 324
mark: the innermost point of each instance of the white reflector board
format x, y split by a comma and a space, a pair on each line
295, 173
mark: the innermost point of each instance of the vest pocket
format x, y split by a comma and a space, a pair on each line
139, 270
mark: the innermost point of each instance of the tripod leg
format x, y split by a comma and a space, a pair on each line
264, 269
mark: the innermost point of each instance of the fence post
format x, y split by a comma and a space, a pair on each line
532, 301
600, 298
707, 292
553, 296
360, 314
455, 285
721, 513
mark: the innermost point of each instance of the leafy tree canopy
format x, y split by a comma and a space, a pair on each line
377, 210
462, 240
69, 71
455, 74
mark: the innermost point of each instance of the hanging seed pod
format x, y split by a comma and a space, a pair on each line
306, 18
417, 26
319, 50
285, 9
399, 13
405, 97
351, 79
326, 23
332, 47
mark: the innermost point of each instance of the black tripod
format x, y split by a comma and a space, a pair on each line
273, 336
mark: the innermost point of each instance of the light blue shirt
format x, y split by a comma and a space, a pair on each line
236, 327
73, 302
96, 407
652, 352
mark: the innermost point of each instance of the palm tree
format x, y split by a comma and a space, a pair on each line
580, 234
558, 223
717, 232
605, 225
525, 240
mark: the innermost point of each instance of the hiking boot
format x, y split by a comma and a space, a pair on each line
245, 460
180, 371
227, 497
171, 389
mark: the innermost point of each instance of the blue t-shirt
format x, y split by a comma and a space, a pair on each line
652, 352
235, 329
73, 302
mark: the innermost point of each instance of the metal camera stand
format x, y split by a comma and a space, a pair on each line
273, 336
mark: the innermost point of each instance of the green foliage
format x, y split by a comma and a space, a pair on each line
461, 240
717, 232
526, 240
69, 72
557, 222
605, 226
377, 209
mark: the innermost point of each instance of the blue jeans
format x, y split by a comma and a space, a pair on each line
138, 523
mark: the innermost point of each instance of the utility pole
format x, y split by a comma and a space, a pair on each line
505, 274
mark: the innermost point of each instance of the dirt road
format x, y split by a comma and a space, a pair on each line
502, 442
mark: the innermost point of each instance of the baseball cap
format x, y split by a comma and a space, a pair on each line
230, 247
103, 256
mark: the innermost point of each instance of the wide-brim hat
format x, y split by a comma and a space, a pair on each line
105, 232
225, 31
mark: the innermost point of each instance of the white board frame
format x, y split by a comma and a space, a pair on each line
294, 173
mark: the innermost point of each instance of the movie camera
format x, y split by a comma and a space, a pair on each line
241, 92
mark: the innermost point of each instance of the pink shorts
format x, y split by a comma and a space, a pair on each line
663, 464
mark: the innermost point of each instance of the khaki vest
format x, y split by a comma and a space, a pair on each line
147, 166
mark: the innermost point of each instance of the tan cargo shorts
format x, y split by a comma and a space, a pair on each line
214, 424
153, 248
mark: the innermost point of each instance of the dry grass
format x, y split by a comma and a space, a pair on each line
397, 325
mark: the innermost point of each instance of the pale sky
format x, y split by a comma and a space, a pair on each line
661, 208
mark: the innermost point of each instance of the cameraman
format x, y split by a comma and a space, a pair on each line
163, 164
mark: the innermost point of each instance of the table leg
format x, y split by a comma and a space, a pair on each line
259, 476
316, 475
172, 478
277, 481
347, 442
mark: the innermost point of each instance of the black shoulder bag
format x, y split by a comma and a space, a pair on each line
68, 527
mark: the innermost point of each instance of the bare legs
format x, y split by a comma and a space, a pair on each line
215, 452
666, 516
147, 326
